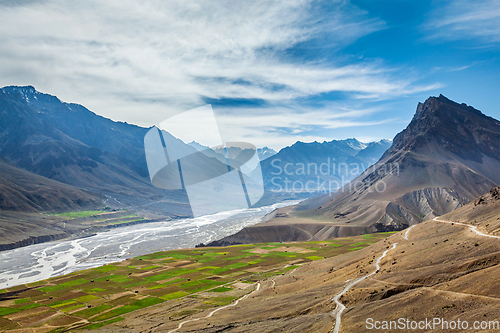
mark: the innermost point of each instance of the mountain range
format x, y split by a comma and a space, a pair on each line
58, 157
447, 156
263, 153
68, 143
307, 169
320, 167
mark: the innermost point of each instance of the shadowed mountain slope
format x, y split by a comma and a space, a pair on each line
70, 144
21, 190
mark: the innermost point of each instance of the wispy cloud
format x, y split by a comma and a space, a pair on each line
142, 61
467, 19
282, 127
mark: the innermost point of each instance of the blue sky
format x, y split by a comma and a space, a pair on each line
274, 71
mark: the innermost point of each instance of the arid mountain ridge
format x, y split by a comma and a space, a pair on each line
447, 156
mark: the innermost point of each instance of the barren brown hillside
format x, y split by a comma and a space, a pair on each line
446, 157
483, 212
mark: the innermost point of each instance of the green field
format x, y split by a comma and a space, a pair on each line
98, 218
101, 296
85, 213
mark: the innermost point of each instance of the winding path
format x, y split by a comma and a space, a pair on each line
218, 309
408, 231
341, 307
471, 227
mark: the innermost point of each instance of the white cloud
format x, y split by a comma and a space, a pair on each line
142, 61
278, 127
467, 19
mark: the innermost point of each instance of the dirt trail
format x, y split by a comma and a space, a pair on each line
471, 227
408, 231
218, 309
341, 307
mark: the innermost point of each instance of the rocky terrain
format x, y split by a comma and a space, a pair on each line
483, 212
446, 157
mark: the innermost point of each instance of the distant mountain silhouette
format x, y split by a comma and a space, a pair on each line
320, 167
266, 152
263, 153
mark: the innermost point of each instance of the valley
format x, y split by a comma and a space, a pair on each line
430, 270
426, 246
58, 157
440, 269
185, 282
201, 166
117, 236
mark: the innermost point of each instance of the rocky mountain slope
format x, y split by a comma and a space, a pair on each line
70, 144
21, 190
447, 156
483, 212
23, 198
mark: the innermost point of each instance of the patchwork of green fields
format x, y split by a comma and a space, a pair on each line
100, 296
84, 213
98, 218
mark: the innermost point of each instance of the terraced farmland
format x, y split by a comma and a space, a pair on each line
96, 218
210, 277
